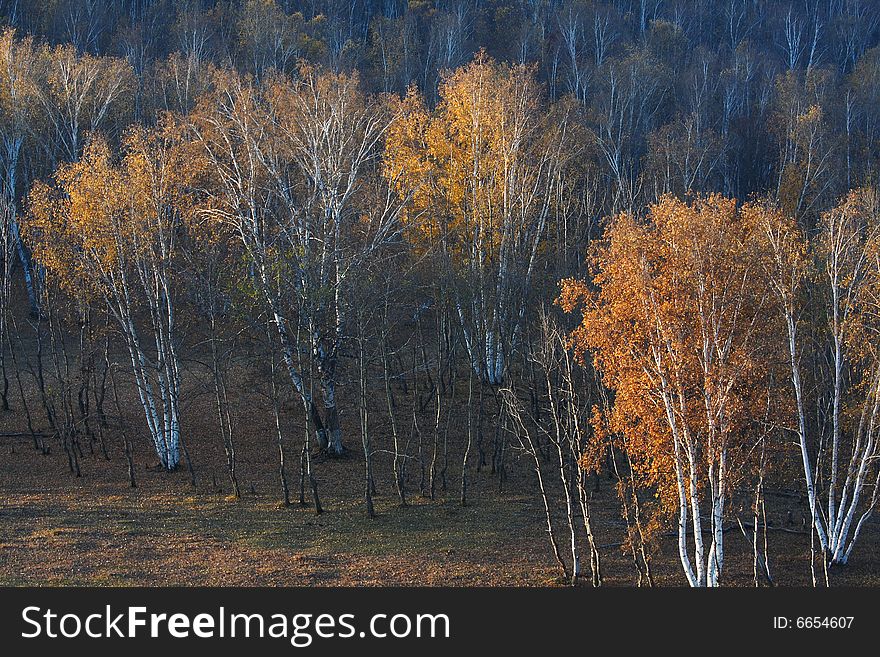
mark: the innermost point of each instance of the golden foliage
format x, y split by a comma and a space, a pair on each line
102, 220
679, 323
473, 166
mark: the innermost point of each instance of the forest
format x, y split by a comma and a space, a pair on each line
457, 292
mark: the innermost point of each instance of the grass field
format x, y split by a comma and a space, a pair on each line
56, 529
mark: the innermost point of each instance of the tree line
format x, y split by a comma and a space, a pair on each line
630, 238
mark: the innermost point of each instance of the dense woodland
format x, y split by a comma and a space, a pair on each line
625, 240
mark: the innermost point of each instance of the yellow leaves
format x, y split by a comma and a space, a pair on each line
102, 217
573, 295
23, 66
471, 168
45, 227
488, 106
783, 249
68, 227
848, 244
595, 449
811, 117
680, 322
405, 165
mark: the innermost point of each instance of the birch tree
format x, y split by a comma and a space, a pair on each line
13, 87
21, 65
295, 171
804, 167
838, 449
677, 330
480, 171
7, 253
81, 94
109, 231
270, 39
560, 436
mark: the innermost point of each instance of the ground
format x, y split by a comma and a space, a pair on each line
57, 529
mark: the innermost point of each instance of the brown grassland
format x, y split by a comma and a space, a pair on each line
56, 529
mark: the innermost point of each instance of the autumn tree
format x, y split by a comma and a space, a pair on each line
109, 230
676, 326
294, 167
177, 82
22, 63
480, 171
51, 97
837, 437
804, 166
82, 94
14, 87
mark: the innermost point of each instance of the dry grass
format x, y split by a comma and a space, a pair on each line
56, 529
